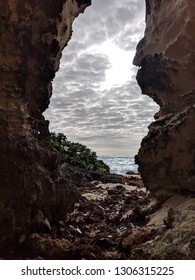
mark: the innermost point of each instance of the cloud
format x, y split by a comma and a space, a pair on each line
110, 120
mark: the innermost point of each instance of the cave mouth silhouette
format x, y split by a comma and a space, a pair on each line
77, 133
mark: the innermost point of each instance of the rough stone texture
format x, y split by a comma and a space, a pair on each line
166, 57
32, 37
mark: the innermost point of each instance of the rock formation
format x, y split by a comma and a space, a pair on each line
166, 57
32, 189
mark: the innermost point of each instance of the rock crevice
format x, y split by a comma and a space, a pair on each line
33, 190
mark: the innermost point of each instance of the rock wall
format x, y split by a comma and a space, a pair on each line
166, 57
32, 189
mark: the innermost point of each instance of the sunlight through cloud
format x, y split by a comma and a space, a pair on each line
96, 99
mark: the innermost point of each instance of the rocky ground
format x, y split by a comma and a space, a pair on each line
116, 218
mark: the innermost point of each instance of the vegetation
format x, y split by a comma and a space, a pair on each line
77, 154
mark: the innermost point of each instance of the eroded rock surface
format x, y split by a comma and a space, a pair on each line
166, 57
34, 192
32, 37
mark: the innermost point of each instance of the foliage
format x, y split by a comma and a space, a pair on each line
77, 154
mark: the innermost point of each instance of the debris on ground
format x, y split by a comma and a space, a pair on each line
114, 220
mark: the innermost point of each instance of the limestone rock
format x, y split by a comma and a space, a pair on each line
32, 37
166, 57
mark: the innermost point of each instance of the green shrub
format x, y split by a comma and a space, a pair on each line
77, 154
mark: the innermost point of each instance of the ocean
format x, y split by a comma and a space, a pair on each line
120, 164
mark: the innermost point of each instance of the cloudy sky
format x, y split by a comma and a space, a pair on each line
96, 100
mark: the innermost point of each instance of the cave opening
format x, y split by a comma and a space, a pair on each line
49, 210
96, 100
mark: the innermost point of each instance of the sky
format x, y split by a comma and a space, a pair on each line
96, 100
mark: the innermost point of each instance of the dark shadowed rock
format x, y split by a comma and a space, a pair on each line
166, 59
32, 37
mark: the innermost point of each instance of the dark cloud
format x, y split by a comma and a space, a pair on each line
109, 120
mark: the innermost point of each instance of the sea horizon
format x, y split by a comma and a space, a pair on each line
120, 164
